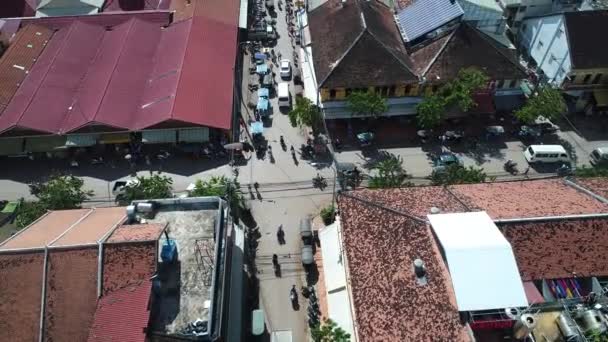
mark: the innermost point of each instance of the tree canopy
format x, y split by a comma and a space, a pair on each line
548, 102
458, 174
329, 331
60, 192
28, 212
305, 114
152, 187
221, 186
390, 173
458, 92
366, 102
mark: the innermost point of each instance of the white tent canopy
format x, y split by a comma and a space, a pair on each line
481, 262
338, 301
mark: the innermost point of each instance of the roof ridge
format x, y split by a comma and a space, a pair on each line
447, 188
487, 40
380, 206
581, 188
391, 53
337, 63
439, 52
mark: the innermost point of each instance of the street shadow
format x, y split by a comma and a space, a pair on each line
167, 294
482, 151
554, 139
590, 127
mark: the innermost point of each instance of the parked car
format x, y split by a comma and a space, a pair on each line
285, 69
599, 156
446, 159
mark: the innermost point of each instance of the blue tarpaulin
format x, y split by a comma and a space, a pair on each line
263, 92
260, 56
262, 103
262, 69
257, 127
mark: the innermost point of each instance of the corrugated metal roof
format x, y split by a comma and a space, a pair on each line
424, 16
122, 315
132, 73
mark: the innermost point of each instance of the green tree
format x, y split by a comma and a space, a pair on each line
60, 192
229, 190
305, 114
460, 90
153, 187
28, 212
457, 174
328, 215
329, 331
430, 111
390, 173
548, 102
366, 103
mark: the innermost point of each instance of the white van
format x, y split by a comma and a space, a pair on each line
546, 154
283, 95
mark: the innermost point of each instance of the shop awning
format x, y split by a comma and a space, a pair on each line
11, 146
114, 138
601, 97
158, 137
44, 144
81, 140
200, 134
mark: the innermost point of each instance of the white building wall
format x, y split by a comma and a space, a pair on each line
545, 41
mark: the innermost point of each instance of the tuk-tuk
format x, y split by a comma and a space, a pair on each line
306, 231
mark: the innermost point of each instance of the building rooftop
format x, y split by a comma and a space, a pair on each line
597, 185
566, 248
122, 315
103, 88
582, 28
381, 246
67, 227
422, 17
137, 232
135, 5
504, 200
348, 40
193, 231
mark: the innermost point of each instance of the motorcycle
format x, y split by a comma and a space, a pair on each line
319, 182
293, 296
283, 145
511, 167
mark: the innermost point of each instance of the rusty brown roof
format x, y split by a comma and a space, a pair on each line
534, 198
21, 289
137, 232
46, 229
389, 305
559, 249
598, 185
93, 226
19, 59
128, 264
71, 296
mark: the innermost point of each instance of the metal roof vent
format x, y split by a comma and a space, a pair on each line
435, 210
420, 272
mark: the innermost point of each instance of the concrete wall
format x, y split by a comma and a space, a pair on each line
545, 41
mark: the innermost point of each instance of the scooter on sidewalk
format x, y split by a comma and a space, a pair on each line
293, 296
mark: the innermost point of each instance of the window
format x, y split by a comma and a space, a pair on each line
586, 79
391, 91
435, 88
500, 83
332, 94
522, 9
408, 89
572, 78
513, 84
385, 91
597, 79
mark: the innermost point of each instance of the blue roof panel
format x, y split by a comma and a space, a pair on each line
424, 16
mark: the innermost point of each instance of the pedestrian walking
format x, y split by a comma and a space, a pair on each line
526, 172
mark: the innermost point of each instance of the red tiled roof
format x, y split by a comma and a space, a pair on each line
598, 185
122, 315
137, 232
71, 294
131, 74
389, 305
126, 264
20, 292
534, 198
560, 249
